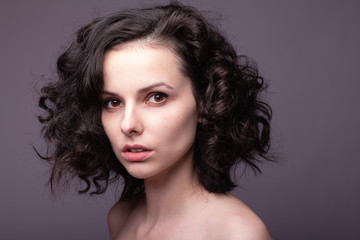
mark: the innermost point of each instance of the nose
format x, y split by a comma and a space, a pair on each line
130, 123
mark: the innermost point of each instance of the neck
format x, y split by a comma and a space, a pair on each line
168, 195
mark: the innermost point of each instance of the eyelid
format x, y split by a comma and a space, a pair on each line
153, 94
108, 100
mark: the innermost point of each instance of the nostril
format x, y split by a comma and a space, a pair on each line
133, 131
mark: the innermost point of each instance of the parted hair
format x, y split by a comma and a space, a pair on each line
234, 126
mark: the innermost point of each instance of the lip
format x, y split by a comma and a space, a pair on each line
136, 156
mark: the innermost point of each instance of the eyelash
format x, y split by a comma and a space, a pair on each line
109, 101
152, 95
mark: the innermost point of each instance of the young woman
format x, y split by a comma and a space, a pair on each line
159, 98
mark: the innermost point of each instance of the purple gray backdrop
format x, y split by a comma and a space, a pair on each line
309, 51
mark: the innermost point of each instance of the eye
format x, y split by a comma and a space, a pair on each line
112, 103
157, 98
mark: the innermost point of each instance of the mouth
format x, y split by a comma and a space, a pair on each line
136, 153
135, 148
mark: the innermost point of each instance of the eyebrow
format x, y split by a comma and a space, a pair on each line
145, 89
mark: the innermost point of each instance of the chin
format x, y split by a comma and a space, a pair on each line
139, 173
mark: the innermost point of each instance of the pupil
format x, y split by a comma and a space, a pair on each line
158, 97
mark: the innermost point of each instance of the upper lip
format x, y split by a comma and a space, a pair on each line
136, 146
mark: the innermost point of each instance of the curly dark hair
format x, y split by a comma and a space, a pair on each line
234, 124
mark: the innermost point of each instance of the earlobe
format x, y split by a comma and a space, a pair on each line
200, 118
200, 111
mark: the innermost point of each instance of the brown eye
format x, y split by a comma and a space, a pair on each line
112, 103
157, 98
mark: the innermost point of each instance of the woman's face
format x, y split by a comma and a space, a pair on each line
149, 110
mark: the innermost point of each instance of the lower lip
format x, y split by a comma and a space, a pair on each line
136, 156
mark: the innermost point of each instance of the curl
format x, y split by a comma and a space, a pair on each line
235, 122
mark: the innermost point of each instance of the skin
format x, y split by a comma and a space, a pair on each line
149, 102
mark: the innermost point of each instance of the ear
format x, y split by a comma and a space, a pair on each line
200, 107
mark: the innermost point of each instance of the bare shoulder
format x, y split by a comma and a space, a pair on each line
237, 221
117, 216
245, 227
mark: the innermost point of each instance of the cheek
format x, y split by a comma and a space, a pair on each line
107, 124
178, 125
104, 122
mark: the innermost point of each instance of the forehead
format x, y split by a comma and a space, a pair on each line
139, 63
167, 47
144, 49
